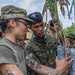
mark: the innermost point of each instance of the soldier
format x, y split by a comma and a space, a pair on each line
71, 39
42, 47
13, 55
71, 49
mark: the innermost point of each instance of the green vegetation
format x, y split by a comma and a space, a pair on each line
70, 29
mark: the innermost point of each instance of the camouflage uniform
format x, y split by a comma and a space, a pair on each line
42, 50
70, 44
72, 36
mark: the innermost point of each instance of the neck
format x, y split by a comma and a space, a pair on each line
39, 37
11, 37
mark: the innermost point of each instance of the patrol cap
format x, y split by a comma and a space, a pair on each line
10, 11
36, 17
71, 35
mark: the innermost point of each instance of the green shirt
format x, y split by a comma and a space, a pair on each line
12, 53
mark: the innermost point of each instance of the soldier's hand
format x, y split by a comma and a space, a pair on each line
64, 64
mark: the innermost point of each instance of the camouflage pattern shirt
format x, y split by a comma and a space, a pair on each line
43, 50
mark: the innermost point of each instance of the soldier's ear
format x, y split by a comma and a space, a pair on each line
12, 23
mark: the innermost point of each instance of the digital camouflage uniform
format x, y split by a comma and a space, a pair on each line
42, 50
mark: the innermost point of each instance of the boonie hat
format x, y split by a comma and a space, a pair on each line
10, 11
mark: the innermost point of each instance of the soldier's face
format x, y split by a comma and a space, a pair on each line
38, 29
20, 29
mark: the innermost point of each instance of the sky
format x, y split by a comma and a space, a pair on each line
37, 5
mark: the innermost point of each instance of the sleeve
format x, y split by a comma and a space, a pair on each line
29, 50
7, 55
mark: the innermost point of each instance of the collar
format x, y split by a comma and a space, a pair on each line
40, 40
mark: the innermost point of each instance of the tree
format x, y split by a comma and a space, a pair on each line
73, 3
51, 5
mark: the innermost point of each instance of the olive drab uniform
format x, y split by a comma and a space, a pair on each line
43, 50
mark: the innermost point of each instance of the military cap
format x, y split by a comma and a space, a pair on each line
71, 35
10, 11
36, 17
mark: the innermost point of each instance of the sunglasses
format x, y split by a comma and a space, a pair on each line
25, 23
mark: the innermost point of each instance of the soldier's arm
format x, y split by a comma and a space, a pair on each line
10, 69
41, 69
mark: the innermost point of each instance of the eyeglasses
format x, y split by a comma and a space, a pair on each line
17, 20
25, 23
